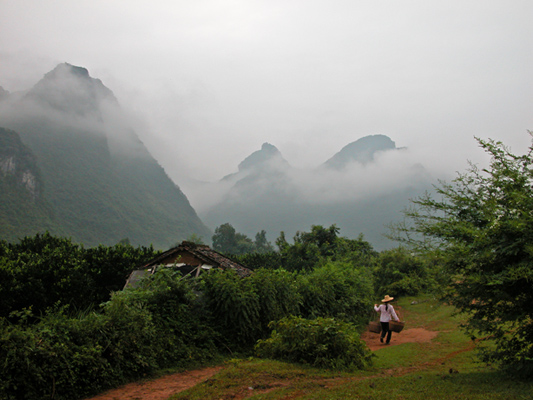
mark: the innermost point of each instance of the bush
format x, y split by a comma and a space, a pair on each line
185, 330
400, 273
336, 290
64, 357
254, 261
322, 343
278, 296
39, 271
481, 224
137, 332
234, 304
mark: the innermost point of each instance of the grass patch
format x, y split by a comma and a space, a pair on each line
445, 368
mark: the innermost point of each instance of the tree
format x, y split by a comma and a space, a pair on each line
262, 245
224, 239
482, 226
309, 248
400, 273
227, 240
40, 271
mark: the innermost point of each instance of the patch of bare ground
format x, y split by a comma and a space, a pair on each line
161, 388
415, 335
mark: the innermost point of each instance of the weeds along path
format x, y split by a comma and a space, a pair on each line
166, 386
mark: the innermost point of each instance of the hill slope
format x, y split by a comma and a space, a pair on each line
22, 205
100, 181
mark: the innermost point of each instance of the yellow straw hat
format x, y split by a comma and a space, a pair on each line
387, 299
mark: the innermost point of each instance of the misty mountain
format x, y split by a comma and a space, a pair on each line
100, 182
362, 188
268, 160
362, 151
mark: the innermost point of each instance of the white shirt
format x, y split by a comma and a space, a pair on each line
385, 315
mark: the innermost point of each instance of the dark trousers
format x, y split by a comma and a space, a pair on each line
385, 331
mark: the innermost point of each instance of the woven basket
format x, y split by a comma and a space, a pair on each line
396, 326
374, 326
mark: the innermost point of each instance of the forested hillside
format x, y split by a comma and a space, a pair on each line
23, 208
100, 182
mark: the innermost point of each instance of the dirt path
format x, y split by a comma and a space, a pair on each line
159, 389
164, 387
415, 335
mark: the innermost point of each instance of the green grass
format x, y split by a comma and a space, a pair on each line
445, 368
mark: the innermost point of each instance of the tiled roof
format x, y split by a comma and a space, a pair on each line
204, 253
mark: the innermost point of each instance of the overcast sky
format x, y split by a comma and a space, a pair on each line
208, 81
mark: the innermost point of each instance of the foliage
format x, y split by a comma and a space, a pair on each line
67, 358
321, 342
308, 248
110, 266
185, 330
357, 251
194, 238
42, 270
138, 331
482, 225
261, 244
52, 324
228, 241
338, 290
278, 295
243, 308
234, 304
400, 273
311, 249
255, 261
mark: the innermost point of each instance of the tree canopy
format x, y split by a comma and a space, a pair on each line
482, 226
227, 240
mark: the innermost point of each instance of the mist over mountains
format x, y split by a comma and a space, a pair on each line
72, 164
97, 182
362, 188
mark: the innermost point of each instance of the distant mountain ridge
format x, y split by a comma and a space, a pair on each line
71, 89
362, 151
95, 181
101, 183
361, 189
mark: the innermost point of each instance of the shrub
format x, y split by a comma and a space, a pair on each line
278, 296
39, 271
185, 331
234, 304
65, 357
322, 342
254, 261
401, 274
336, 290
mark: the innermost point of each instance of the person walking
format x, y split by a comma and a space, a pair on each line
386, 312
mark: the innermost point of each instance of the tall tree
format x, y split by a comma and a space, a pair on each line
482, 224
262, 245
224, 239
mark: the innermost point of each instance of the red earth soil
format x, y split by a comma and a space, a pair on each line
164, 387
